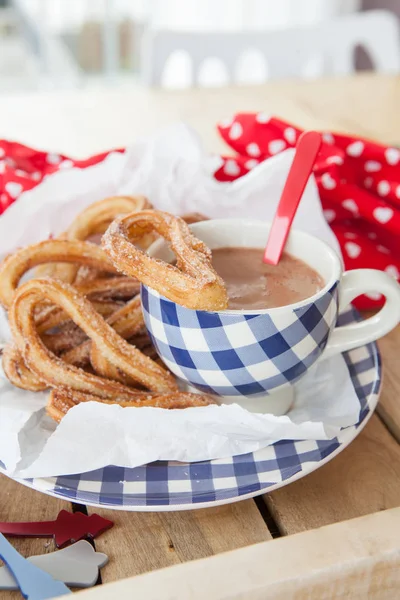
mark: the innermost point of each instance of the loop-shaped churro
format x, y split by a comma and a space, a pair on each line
104, 368
193, 282
52, 316
18, 373
19, 263
127, 321
110, 287
97, 217
62, 400
54, 371
92, 221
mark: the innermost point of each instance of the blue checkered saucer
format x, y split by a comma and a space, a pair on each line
164, 486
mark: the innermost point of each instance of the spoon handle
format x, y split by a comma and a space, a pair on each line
307, 149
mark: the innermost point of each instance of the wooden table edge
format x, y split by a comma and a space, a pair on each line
361, 555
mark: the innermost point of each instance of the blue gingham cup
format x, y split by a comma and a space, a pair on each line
243, 356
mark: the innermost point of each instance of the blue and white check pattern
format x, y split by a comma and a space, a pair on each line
230, 354
168, 485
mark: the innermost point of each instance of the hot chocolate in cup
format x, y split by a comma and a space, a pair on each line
253, 357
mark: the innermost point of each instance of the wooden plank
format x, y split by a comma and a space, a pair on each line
141, 542
19, 503
197, 534
389, 404
358, 559
363, 479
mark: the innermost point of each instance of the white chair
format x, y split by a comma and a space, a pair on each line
285, 51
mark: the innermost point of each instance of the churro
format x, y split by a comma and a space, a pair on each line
19, 263
93, 221
80, 332
56, 372
192, 282
62, 400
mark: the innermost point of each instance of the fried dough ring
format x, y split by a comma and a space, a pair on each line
18, 373
93, 220
54, 371
62, 400
114, 287
52, 316
97, 217
126, 321
111, 287
104, 368
69, 335
17, 264
193, 282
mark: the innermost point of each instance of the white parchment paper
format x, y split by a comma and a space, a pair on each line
173, 171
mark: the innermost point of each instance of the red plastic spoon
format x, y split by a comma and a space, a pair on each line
307, 149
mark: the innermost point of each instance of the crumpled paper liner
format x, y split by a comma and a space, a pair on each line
173, 171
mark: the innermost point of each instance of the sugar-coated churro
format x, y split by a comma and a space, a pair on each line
192, 282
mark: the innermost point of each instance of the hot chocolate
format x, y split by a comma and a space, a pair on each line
251, 284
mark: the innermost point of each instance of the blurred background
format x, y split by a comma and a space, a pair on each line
67, 44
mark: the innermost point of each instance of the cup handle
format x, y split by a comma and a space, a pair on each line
353, 284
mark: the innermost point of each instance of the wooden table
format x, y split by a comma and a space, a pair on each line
363, 479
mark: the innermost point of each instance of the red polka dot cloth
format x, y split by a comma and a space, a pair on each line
358, 182
21, 168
